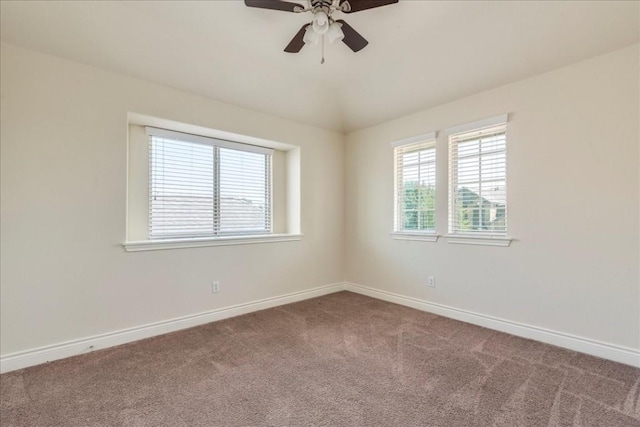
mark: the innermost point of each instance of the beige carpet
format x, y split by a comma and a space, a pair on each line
338, 360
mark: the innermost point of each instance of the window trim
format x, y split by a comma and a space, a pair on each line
480, 237
430, 136
430, 236
465, 239
286, 207
429, 139
478, 124
207, 140
217, 144
155, 245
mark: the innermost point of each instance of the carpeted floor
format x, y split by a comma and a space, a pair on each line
338, 360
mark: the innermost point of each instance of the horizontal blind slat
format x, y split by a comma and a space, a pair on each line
477, 168
415, 187
202, 190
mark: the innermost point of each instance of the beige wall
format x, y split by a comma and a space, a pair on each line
573, 200
573, 151
64, 272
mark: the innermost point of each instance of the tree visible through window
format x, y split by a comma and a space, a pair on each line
415, 187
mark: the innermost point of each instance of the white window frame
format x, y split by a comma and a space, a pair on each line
458, 134
216, 221
416, 143
287, 219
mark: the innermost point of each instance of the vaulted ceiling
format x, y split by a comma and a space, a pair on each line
421, 53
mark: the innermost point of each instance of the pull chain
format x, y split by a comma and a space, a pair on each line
322, 61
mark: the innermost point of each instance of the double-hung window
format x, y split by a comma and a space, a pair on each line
478, 180
201, 187
415, 185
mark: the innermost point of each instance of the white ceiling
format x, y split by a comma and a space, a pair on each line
421, 53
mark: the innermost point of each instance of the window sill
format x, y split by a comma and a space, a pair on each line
479, 240
156, 245
420, 237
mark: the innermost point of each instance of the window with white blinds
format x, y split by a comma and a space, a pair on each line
203, 187
478, 181
415, 189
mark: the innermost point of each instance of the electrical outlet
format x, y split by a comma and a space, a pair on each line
215, 287
431, 282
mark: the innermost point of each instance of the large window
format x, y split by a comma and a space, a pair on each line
204, 187
415, 189
478, 181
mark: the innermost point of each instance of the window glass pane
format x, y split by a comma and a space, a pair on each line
244, 192
181, 189
493, 142
415, 187
493, 166
427, 220
468, 170
468, 148
478, 182
201, 190
411, 158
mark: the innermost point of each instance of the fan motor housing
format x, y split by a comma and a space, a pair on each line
328, 6
321, 3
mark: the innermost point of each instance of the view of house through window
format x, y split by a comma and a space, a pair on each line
478, 181
203, 187
415, 187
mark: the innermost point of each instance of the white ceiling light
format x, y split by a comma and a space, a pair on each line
320, 22
335, 32
310, 36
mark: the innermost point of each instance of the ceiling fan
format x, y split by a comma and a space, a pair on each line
323, 22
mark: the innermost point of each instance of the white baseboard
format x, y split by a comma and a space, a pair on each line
37, 356
24, 359
604, 350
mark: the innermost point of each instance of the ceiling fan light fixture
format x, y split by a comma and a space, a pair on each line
323, 22
320, 23
335, 32
310, 36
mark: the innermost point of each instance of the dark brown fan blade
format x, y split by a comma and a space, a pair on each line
297, 42
358, 5
352, 38
274, 5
